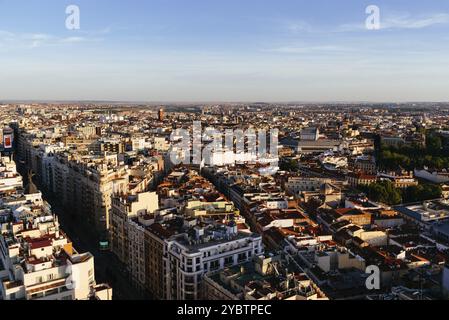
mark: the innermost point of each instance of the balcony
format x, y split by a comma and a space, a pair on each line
12, 284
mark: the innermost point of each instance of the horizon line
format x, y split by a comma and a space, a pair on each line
52, 101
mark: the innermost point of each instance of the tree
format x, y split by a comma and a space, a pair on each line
384, 191
433, 143
416, 156
422, 192
289, 165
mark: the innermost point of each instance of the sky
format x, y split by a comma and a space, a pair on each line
233, 50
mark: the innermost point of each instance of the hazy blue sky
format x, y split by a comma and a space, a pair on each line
227, 50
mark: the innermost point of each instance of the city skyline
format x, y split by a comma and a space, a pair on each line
224, 158
356, 196
172, 51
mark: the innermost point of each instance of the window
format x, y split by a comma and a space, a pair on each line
229, 260
51, 292
241, 257
214, 265
189, 287
37, 295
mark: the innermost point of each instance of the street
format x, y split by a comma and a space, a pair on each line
108, 268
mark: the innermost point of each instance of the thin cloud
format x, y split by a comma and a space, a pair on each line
298, 26
398, 22
100, 32
76, 40
406, 22
10, 40
309, 49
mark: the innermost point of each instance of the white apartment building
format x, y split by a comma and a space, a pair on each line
295, 185
189, 259
9, 178
39, 263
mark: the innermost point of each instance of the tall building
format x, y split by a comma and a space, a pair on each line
123, 209
37, 260
40, 263
84, 175
179, 252
167, 255
191, 256
7, 140
161, 115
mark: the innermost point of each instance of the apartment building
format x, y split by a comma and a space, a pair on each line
295, 185
123, 209
37, 260
41, 264
10, 179
85, 183
169, 254
213, 248
266, 277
